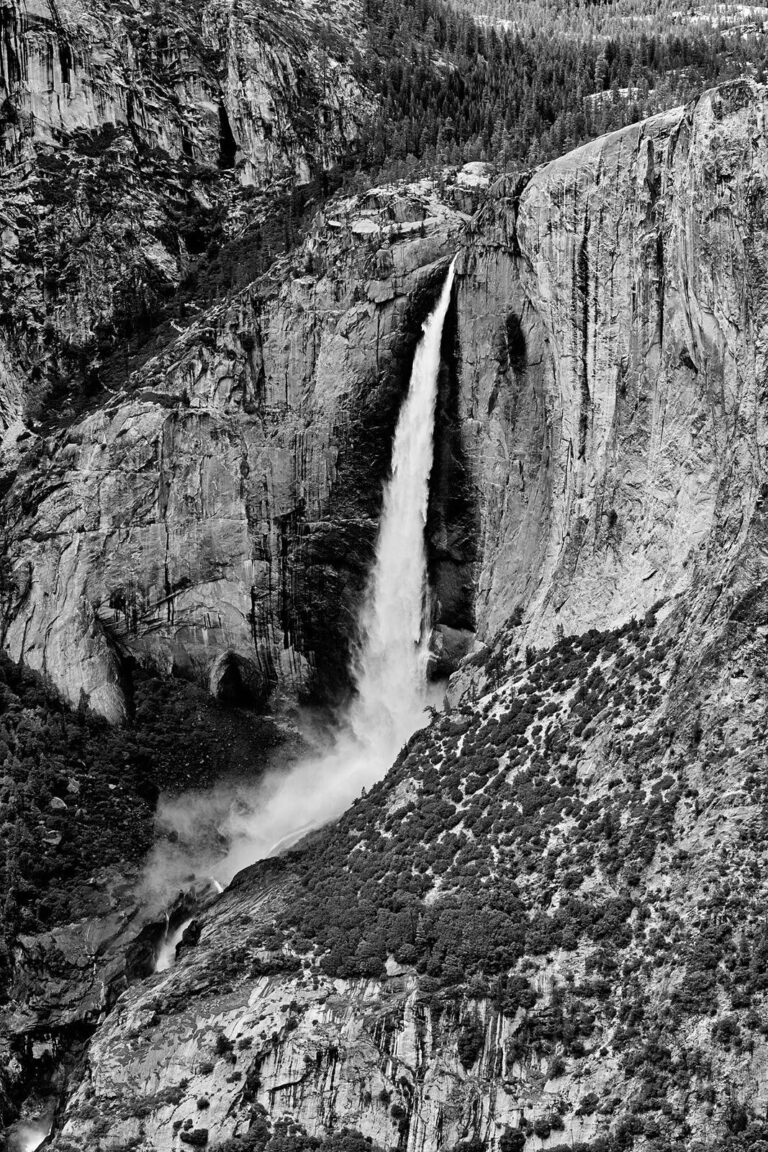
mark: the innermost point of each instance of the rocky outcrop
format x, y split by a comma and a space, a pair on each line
133, 143
227, 1028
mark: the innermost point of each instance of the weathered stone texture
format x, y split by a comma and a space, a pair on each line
217, 506
613, 333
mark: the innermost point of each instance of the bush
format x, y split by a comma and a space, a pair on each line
471, 1042
196, 1137
513, 1140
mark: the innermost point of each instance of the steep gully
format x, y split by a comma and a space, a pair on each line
390, 664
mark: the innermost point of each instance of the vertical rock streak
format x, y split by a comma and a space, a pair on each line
391, 664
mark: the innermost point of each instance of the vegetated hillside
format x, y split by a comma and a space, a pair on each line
609, 17
582, 842
545, 929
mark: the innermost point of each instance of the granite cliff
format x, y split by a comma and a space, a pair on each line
214, 518
600, 440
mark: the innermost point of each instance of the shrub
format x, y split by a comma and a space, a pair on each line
513, 1140
196, 1137
471, 1042
587, 1104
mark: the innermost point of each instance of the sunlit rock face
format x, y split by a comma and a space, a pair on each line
612, 327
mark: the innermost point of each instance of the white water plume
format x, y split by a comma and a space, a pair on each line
389, 667
27, 1135
166, 953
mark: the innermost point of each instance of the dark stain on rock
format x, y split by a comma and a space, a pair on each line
582, 312
452, 517
227, 142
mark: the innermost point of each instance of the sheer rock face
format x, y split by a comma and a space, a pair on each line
613, 321
610, 349
266, 84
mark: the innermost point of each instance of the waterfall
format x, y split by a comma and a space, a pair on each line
389, 667
390, 663
166, 953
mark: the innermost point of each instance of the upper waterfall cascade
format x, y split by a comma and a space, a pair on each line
391, 664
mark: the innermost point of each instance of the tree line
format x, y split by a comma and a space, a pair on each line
518, 84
